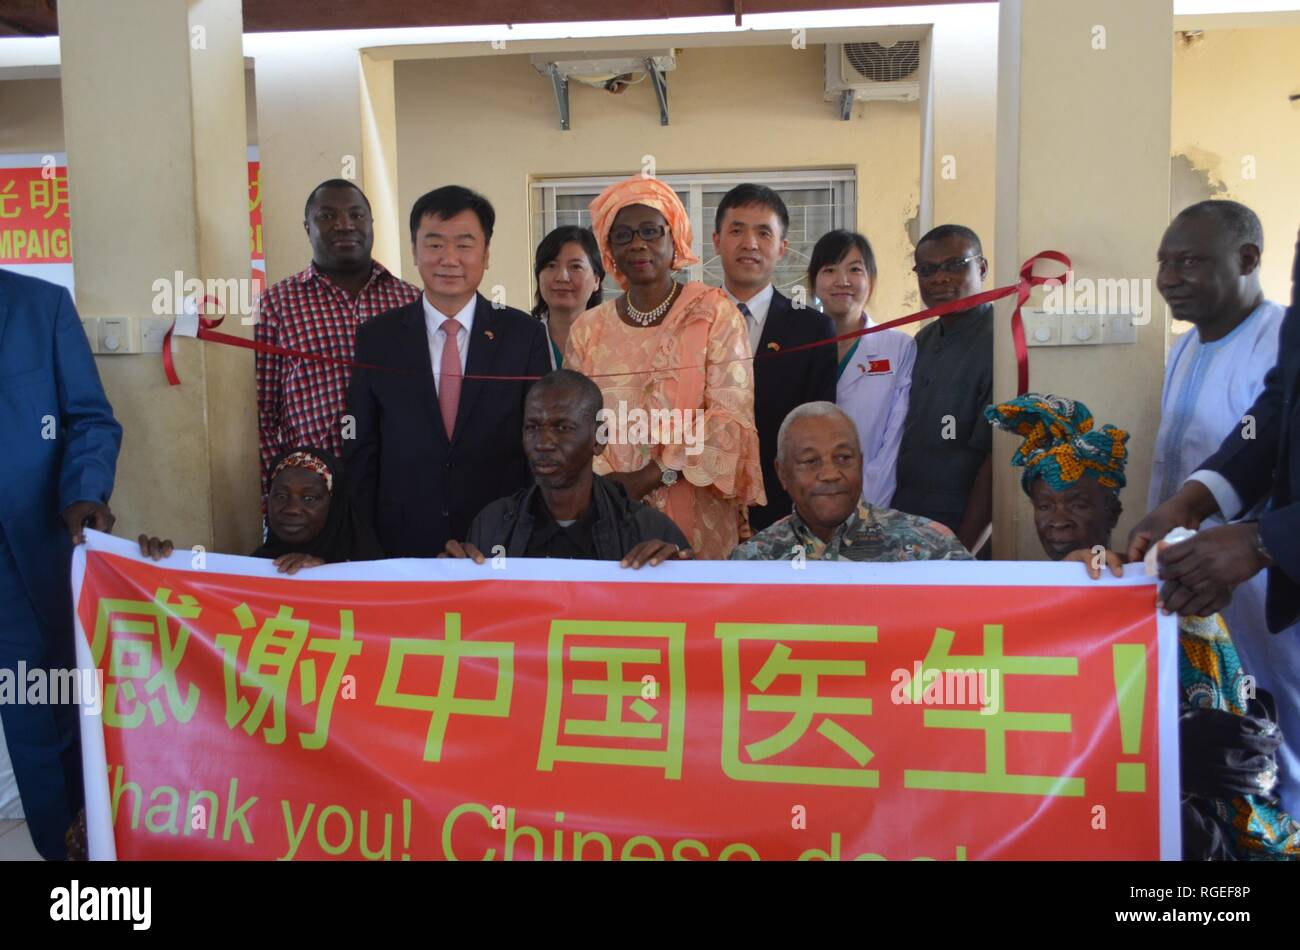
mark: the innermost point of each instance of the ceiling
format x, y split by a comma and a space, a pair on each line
40, 17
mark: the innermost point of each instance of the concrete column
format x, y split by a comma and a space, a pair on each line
154, 121
1084, 106
962, 164
309, 129
379, 161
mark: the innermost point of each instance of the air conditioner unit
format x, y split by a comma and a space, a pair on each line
873, 71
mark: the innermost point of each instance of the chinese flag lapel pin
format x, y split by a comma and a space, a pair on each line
862, 368
489, 334
774, 346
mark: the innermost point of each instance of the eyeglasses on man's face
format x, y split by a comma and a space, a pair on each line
649, 232
954, 265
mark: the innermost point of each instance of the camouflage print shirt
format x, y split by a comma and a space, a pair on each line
868, 534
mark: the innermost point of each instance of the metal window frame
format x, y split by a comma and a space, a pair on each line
842, 183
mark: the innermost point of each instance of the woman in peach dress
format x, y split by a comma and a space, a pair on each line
673, 363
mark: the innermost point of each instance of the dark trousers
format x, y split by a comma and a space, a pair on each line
43, 739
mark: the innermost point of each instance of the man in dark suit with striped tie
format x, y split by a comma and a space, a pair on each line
750, 238
434, 444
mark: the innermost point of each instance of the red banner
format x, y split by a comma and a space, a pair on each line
568, 710
34, 215
34, 222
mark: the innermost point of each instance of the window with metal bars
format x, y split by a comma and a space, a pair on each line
818, 201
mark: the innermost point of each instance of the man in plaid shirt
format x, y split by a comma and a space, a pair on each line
299, 401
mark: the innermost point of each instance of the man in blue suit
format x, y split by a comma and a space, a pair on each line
56, 474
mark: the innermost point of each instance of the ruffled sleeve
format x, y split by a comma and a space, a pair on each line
579, 356
724, 452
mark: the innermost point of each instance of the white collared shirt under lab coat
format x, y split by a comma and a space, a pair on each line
873, 391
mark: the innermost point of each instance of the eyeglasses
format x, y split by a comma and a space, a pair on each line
648, 232
954, 265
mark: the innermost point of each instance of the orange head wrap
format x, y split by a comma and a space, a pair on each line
651, 192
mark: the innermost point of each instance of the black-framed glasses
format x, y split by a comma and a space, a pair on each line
649, 232
954, 265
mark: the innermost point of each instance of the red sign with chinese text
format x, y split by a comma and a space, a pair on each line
498, 718
34, 223
34, 215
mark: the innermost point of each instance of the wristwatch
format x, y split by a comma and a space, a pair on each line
669, 476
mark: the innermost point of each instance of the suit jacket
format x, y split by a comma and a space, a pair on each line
59, 436
417, 487
1265, 464
783, 381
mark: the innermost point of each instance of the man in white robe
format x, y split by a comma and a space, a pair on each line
1209, 276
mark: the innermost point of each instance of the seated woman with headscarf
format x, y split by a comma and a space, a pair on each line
309, 515
1073, 475
675, 357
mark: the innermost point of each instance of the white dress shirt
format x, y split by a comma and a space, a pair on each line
758, 306
433, 321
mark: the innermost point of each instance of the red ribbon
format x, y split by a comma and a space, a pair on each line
208, 331
1022, 289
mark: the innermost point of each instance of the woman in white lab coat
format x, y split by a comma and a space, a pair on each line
875, 371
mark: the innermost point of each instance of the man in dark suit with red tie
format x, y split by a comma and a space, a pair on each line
434, 444
749, 237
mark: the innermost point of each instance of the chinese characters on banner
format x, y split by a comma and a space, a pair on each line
569, 710
35, 229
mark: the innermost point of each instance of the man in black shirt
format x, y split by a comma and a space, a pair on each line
570, 512
945, 462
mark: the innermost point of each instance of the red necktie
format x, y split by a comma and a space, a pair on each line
450, 376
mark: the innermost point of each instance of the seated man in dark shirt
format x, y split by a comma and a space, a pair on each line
570, 512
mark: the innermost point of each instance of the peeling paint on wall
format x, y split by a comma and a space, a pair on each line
1194, 175
912, 295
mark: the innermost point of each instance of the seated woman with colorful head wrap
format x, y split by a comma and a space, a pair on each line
1073, 474
309, 515
678, 355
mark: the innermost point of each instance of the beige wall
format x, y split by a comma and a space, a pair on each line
1230, 106
490, 123
309, 115
31, 114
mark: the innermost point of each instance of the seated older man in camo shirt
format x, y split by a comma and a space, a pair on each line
819, 463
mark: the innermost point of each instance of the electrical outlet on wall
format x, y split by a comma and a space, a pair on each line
1078, 329
1042, 328
115, 335
152, 332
